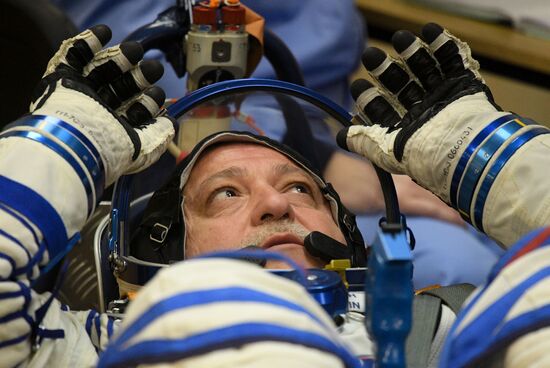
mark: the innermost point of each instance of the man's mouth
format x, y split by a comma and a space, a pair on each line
281, 238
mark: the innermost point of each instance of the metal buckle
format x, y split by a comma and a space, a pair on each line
159, 232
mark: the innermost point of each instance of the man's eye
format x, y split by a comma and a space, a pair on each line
300, 188
226, 193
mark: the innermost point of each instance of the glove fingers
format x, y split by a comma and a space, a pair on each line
109, 64
393, 76
131, 83
141, 109
373, 107
453, 55
78, 51
418, 57
373, 142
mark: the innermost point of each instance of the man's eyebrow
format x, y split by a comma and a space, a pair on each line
282, 169
230, 172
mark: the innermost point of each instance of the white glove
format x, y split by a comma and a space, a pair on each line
108, 97
433, 118
95, 116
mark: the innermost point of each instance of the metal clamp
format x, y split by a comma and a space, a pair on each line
159, 232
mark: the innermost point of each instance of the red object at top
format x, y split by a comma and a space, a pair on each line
204, 15
233, 15
212, 112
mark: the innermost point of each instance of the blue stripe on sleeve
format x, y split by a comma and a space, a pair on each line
10, 261
16, 241
11, 316
74, 139
11, 295
481, 333
97, 324
37, 210
468, 152
202, 297
40, 245
31, 261
59, 128
62, 152
14, 341
89, 321
524, 323
479, 161
26, 291
170, 350
23, 222
110, 327
495, 169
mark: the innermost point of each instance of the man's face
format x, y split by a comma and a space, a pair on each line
247, 194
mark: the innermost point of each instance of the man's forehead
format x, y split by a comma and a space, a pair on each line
236, 159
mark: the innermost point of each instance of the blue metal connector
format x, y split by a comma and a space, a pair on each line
389, 296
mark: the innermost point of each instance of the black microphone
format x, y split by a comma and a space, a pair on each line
326, 248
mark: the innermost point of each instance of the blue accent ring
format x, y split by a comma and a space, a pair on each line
497, 167
481, 158
219, 89
54, 146
459, 170
73, 138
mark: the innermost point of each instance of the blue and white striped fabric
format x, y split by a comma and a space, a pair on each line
508, 320
221, 312
62, 334
36, 222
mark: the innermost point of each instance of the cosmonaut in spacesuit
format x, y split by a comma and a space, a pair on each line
95, 117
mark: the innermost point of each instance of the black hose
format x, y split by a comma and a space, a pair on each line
393, 216
281, 59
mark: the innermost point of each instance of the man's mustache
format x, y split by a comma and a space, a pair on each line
261, 234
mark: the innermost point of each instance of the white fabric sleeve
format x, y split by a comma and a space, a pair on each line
517, 202
506, 322
83, 333
495, 176
23, 338
37, 167
225, 313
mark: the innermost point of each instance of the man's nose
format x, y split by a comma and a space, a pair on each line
271, 205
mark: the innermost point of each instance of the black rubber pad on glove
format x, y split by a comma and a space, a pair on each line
109, 71
126, 86
421, 63
80, 53
138, 114
447, 55
394, 78
379, 111
342, 138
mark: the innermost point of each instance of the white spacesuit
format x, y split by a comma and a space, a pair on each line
89, 125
